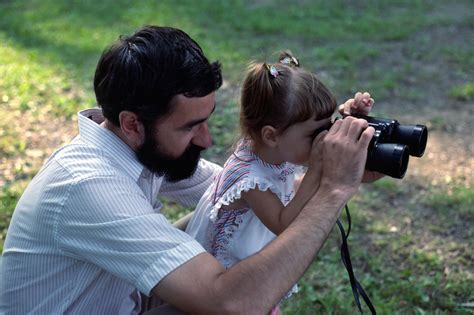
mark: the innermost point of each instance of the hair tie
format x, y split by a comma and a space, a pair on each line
273, 70
290, 61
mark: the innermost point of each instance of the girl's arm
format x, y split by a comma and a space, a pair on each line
270, 210
268, 207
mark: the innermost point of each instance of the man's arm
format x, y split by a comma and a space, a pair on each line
256, 284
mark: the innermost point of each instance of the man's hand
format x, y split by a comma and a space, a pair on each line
361, 104
345, 153
315, 165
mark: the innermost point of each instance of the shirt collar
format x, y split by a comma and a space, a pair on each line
106, 140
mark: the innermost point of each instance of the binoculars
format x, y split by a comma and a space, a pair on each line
392, 144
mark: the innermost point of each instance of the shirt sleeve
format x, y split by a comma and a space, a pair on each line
108, 221
188, 192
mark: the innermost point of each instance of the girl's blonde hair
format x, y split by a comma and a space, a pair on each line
280, 95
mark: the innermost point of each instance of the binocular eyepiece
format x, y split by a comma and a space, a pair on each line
392, 144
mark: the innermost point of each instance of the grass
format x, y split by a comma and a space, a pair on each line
458, 200
463, 92
410, 244
399, 276
9, 196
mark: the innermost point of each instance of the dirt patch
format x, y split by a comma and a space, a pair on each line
422, 96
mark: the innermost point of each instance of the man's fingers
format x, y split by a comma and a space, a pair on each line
335, 127
319, 138
366, 136
346, 125
318, 142
356, 128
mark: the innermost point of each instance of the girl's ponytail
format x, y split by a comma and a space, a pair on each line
258, 95
281, 94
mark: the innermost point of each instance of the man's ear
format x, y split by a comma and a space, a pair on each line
269, 136
132, 128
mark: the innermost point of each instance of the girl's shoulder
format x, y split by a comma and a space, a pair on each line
240, 165
244, 171
244, 165
244, 157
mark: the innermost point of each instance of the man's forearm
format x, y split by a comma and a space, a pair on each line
259, 282
256, 284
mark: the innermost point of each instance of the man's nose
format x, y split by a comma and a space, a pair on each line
203, 137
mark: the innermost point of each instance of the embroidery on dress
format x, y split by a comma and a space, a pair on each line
285, 173
288, 197
225, 226
235, 169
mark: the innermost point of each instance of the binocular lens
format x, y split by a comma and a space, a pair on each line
414, 136
392, 144
389, 158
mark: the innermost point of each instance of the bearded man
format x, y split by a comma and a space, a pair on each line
87, 235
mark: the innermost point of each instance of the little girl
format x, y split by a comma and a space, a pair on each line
253, 199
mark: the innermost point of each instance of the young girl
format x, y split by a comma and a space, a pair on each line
283, 108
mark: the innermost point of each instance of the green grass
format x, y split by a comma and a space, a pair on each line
9, 196
71, 35
399, 276
410, 244
463, 92
457, 200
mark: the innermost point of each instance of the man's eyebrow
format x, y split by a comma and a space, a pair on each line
195, 122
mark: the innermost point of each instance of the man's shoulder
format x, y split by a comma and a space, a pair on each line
82, 160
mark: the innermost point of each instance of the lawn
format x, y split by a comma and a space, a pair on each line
411, 242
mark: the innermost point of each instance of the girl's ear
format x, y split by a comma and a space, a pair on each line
269, 136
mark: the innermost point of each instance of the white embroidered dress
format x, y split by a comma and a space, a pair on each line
233, 235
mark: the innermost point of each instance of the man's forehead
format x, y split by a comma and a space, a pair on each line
191, 108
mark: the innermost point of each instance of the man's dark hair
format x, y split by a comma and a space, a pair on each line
141, 73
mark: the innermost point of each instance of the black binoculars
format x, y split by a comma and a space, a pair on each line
392, 144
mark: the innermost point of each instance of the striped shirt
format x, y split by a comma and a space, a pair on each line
87, 234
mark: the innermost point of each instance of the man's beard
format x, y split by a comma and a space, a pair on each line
174, 169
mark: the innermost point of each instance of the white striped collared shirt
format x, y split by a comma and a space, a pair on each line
87, 232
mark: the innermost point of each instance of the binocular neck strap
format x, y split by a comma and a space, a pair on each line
346, 260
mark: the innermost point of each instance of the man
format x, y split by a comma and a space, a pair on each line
87, 237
